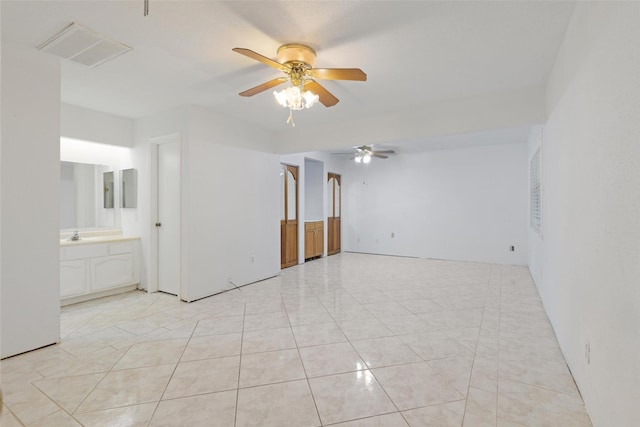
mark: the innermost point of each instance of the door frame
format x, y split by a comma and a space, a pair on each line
152, 285
338, 178
286, 211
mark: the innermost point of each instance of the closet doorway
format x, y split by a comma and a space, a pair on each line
333, 213
289, 216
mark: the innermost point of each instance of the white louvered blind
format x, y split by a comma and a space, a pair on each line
535, 191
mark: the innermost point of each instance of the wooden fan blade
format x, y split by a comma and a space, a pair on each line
385, 151
327, 99
378, 155
339, 74
264, 86
260, 58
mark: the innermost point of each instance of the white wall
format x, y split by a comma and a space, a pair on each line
590, 250
229, 200
314, 188
232, 206
89, 125
467, 204
30, 177
139, 221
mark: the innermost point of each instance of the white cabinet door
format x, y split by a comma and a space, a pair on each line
112, 271
73, 278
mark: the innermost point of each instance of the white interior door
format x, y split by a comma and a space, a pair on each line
168, 219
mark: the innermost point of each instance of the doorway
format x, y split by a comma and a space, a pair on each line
166, 207
333, 213
289, 216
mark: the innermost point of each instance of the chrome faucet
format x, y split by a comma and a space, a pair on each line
76, 236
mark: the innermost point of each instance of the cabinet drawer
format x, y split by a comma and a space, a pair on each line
120, 248
86, 251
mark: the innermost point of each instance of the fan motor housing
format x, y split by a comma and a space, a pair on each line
294, 52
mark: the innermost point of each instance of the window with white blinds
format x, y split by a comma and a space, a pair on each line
535, 191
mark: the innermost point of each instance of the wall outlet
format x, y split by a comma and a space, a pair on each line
512, 248
587, 352
393, 234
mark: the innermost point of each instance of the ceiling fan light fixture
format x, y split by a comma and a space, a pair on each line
294, 98
366, 158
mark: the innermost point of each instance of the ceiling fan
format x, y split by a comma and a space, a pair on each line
297, 62
364, 153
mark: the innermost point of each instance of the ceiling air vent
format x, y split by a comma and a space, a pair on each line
84, 46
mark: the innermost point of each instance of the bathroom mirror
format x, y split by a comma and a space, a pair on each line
108, 187
129, 188
82, 196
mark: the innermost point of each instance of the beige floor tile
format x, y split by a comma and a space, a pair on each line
69, 392
448, 414
219, 325
152, 354
271, 367
544, 373
420, 306
349, 396
436, 346
387, 309
57, 419
456, 370
415, 385
258, 322
128, 416
365, 329
484, 374
36, 360
330, 359
100, 361
344, 313
91, 341
209, 347
7, 419
128, 387
208, 410
268, 340
203, 376
318, 334
531, 405
29, 404
385, 351
407, 324
287, 404
309, 317
389, 420
481, 409
447, 313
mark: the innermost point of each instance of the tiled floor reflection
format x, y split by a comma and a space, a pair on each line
349, 340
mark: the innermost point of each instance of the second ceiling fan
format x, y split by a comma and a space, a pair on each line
297, 61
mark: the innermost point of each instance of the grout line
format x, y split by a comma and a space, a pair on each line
244, 316
301, 361
173, 372
475, 352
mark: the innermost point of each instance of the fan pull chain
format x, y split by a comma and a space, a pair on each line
290, 119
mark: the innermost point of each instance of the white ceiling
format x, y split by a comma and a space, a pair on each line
413, 52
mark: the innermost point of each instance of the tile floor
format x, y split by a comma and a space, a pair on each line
349, 340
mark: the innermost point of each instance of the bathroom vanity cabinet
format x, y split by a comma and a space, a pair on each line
95, 268
313, 239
